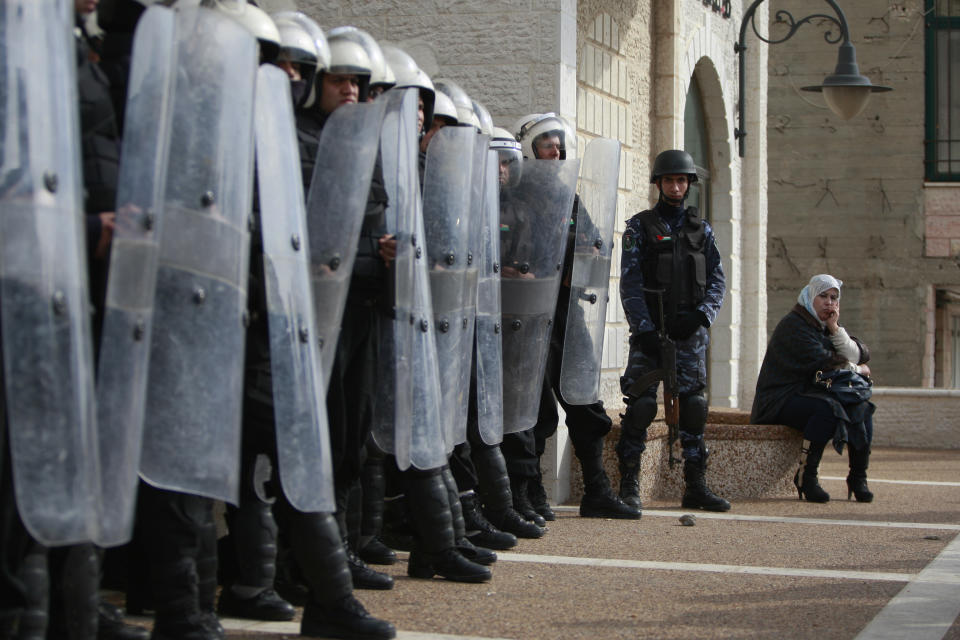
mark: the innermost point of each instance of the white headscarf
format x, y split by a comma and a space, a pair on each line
818, 284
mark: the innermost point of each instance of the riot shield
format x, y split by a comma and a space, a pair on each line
299, 403
407, 408
44, 311
489, 364
474, 248
335, 205
191, 439
534, 219
128, 315
447, 200
590, 278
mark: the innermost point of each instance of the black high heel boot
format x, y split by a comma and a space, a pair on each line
857, 478
809, 486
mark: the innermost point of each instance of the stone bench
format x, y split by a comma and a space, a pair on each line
746, 460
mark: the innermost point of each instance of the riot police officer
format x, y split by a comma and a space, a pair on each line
548, 137
669, 248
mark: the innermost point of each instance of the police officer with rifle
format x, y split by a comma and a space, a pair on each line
671, 288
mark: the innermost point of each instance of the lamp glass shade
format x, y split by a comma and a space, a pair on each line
846, 101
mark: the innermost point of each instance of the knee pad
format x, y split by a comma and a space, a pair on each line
693, 414
639, 414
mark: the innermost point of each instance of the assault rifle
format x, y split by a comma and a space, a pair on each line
668, 373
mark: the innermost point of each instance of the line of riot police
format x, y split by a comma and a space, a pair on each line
325, 289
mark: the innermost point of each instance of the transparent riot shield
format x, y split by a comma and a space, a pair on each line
590, 279
447, 201
336, 202
407, 409
489, 363
191, 437
299, 401
470, 283
44, 309
128, 315
534, 220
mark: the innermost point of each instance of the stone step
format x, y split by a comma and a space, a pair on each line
746, 460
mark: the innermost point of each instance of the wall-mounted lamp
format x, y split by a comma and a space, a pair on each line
845, 91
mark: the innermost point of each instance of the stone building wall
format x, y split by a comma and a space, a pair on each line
848, 198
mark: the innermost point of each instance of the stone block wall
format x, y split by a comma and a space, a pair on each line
912, 417
848, 197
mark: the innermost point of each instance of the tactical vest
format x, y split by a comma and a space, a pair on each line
674, 262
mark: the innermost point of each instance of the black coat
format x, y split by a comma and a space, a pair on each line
798, 349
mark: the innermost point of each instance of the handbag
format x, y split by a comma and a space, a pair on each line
848, 386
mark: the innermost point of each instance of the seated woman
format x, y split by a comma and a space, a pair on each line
809, 340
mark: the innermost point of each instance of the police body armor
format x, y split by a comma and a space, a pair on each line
339, 187
447, 200
675, 263
407, 408
44, 309
534, 219
128, 315
192, 430
489, 361
299, 401
590, 277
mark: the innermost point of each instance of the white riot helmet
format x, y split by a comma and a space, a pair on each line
463, 103
444, 108
297, 48
486, 122
347, 56
315, 32
529, 128
410, 75
380, 72
256, 21
510, 156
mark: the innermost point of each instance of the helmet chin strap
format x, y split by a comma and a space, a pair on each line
673, 202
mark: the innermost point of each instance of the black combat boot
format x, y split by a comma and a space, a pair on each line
857, 477
36, 582
538, 497
370, 548
466, 547
519, 489
74, 580
112, 626
348, 520
253, 532
496, 496
332, 611
598, 500
344, 618
398, 532
363, 576
697, 495
479, 530
809, 486
206, 560
435, 552
630, 483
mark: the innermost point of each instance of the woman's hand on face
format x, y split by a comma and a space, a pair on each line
865, 370
832, 321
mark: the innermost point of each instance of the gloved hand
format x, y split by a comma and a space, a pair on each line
649, 343
687, 324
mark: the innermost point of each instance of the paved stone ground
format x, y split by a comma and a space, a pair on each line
772, 568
